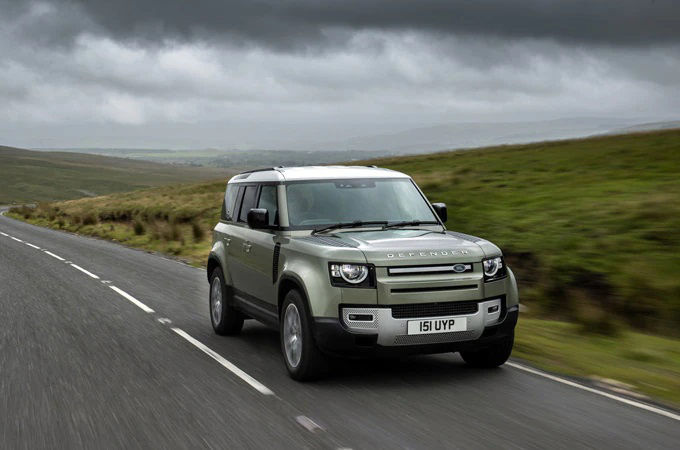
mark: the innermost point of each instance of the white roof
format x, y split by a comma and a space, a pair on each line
283, 174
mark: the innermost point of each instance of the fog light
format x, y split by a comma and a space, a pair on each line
361, 317
493, 309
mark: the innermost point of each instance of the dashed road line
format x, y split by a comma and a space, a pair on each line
16, 239
308, 423
31, 245
127, 296
261, 388
4, 234
625, 400
86, 272
54, 256
164, 320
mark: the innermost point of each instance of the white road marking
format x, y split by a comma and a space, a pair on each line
625, 400
53, 255
308, 423
106, 281
261, 388
164, 320
16, 239
90, 274
31, 245
4, 234
127, 296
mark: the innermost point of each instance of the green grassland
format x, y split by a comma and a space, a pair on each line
649, 364
29, 176
591, 228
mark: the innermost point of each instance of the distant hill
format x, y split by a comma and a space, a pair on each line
476, 134
28, 176
412, 141
647, 127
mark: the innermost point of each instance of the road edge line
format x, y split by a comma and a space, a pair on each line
625, 400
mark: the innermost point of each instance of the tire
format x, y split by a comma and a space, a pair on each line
493, 356
303, 358
224, 318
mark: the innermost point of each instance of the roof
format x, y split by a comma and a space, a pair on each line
282, 174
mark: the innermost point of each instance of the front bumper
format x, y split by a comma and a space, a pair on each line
386, 335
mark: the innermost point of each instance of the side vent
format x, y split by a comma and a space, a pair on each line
275, 265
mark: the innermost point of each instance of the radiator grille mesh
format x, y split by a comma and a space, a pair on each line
435, 338
419, 310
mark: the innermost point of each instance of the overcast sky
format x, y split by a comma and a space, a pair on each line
261, 73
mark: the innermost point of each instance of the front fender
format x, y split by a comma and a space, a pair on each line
511, 290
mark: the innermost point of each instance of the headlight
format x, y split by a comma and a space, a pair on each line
351, 275
494, 268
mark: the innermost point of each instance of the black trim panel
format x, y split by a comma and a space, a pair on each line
275, 263
256, 308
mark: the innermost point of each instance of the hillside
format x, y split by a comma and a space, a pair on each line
591, 226
29, 176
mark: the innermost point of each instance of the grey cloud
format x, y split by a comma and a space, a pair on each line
308, 24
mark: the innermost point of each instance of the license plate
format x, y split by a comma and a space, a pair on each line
437, 325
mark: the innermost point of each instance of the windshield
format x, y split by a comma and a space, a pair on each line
311, 204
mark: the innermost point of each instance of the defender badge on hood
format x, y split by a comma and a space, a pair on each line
432, 253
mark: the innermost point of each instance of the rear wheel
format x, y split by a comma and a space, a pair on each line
492, 356
303, 358
225, 319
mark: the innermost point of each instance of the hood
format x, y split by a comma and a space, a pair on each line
417, 247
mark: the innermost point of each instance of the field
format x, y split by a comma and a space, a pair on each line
639, 363
591, 228
29, 176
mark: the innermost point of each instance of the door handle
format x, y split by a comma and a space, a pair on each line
246, 247
227, 241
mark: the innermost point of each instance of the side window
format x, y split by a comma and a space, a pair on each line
229, 202
249, 198
268, 202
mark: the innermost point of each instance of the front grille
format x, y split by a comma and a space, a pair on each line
416, 339
434, 289
416, 310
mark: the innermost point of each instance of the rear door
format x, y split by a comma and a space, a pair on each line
238, 250
224, 228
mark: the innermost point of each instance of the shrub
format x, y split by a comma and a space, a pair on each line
139, 227
197, 231
89, 219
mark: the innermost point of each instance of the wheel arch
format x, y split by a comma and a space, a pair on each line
288, 282
213, 263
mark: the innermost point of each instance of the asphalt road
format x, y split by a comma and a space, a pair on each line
84, 365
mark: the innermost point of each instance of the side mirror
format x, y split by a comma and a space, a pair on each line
258, 218
440, 209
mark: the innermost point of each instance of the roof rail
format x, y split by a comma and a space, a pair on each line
263, 169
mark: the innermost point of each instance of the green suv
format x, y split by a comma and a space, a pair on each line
355, 261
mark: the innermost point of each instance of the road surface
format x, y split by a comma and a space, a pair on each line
103, 346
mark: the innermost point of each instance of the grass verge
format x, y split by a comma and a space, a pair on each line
649, 364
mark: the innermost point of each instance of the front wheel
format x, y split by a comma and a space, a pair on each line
303, 358
493, 356
225, 319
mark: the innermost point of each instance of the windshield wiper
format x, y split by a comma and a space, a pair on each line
355, 224
409, 223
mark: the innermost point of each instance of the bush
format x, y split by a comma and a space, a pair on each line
89, 219
197, 231
139, 227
